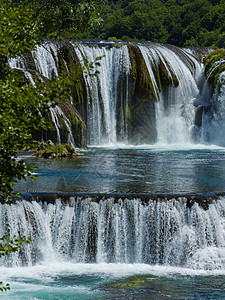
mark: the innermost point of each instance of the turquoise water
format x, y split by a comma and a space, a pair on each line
77, 281
143, 169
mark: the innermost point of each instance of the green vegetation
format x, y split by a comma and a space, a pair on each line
189, 23
178, 22
131, 282
214, 65
140, 75
62, 18
50, 150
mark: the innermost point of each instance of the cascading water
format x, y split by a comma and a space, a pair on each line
213, 128
45, 59
77, 240
174, 110
116, 108
164, 232
102, 115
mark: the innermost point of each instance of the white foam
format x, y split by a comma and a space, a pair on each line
50, 270
159, 146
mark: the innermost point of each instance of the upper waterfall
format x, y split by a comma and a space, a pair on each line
103, 108
118, 112
175, 112
213, 125
142, 93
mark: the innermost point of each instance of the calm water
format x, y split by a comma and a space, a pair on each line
143, 169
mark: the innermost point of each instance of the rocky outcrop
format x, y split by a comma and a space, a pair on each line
50, 150
141, 100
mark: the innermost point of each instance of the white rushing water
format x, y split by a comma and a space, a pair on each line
46, 60
129, 231
174, 110
111, 118
102, 90
213, 127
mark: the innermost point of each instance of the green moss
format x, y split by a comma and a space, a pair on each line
29, 60
55, 151
67, 53
113, 38
142, 83
68, 61
167, 76
127, 111
157, 75
78, 126
131, 282
213, 68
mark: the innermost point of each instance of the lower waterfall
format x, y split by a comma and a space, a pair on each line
82, 230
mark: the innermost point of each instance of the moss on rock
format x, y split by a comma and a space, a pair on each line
131, 282
214, 65
50, 150
20, 77
69, 62
141, 98
167, 76
142, 82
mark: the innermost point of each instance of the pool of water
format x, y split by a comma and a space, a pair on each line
146, 169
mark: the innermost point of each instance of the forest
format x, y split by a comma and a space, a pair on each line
184, 23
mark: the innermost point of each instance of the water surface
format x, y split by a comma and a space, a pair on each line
143, 169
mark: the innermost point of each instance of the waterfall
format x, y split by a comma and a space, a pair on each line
81, 230
141, 93
175, 112
46, 60
102, 103
213, 125
109, 104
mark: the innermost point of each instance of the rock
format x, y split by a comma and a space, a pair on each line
49, 142
53, 151
78, 154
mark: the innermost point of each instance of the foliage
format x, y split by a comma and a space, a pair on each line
24, 106
4, 288
22, 111
9, 246
181, 23
63, 18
